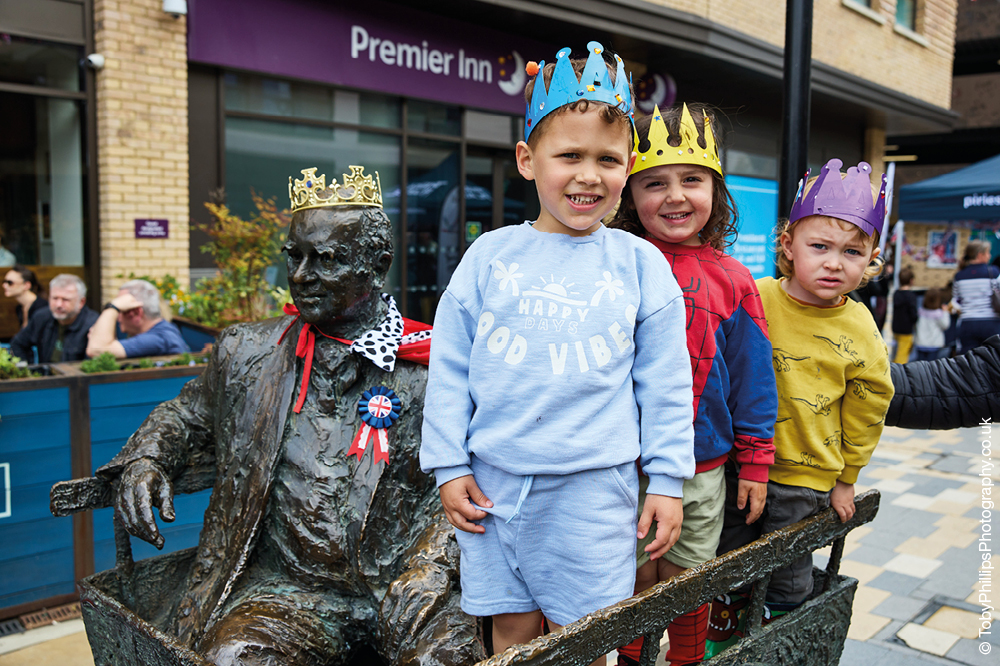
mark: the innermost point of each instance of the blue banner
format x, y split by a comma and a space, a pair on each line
757, 203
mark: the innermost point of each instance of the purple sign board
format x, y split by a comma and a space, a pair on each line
370, 46
145, 228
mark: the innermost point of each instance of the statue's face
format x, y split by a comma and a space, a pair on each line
331, 272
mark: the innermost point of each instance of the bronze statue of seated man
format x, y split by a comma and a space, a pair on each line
322, 534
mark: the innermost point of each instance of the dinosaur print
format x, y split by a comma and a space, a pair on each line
781, 359
822, 406
843, 349
863, 387
807, 460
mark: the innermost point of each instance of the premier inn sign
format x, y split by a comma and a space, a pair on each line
370, 46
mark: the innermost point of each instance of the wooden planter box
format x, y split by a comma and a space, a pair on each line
58, 428
196, 335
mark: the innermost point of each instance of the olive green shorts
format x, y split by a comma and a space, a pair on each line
704, 499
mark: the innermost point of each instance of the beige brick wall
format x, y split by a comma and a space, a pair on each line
852, 42
142, 138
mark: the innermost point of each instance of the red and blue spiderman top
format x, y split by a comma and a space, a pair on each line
735, 396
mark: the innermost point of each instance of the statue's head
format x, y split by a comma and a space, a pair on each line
339, 252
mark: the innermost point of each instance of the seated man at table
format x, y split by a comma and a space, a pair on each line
136, 309
59, 332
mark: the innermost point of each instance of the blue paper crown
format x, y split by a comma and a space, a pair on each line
564, 88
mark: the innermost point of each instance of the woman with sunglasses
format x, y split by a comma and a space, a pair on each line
21, 284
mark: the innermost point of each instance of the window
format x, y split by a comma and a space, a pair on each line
261, 155
274, 128
274, 97
42, 212
906, 14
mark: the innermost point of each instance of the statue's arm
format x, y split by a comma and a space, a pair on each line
178, 436
420, 620
957, 392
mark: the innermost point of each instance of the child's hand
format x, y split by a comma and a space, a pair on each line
756, 493
668, 512
842, 499
457, 497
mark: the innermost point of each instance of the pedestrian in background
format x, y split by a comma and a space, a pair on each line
933, 319
972, 296
21, 284
904, 315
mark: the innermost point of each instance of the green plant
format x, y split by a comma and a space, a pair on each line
146, 363
242, 250
12, 367
104, 363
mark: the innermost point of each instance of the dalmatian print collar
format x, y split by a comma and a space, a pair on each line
380, 344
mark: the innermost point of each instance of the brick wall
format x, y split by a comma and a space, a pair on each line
854, 41
142, 138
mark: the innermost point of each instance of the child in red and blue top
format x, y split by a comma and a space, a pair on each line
676, 197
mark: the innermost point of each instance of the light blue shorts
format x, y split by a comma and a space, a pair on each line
564, 544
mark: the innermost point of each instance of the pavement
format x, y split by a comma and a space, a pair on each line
920, 563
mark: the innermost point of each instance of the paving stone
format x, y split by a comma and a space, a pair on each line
860, 652
926, 639
899, 607
913, 565
865, 625
897, 583
929, 485
872, 555
950, 463
903, 520
888, 632
954, 620
967, 651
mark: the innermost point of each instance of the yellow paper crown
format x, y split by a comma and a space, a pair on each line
687, 152
356, 190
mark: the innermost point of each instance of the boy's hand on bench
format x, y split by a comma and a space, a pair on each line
668, 512
756, 493
842, 500
458, 496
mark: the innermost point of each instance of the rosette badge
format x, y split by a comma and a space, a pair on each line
379, 407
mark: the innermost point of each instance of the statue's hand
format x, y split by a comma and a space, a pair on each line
413, 600
142, 486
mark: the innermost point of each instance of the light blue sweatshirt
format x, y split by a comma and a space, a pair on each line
555, 354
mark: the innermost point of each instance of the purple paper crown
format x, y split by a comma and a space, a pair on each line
848, 198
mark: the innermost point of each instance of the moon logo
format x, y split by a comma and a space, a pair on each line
656, 90
518, 77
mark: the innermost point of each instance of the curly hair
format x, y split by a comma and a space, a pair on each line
610, 114
721, 229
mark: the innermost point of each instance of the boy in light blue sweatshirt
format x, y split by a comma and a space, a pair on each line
558, 360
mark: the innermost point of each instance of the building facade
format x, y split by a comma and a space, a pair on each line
238, 95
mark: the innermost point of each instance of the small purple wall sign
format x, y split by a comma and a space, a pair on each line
146, 228
370, 45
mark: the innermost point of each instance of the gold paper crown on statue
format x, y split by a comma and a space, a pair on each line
312, 191
660, 152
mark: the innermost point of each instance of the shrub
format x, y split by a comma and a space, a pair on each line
12, 367
106, 362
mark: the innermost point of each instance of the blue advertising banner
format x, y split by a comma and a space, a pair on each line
757, 203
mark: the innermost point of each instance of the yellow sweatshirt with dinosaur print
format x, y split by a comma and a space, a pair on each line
832, 371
